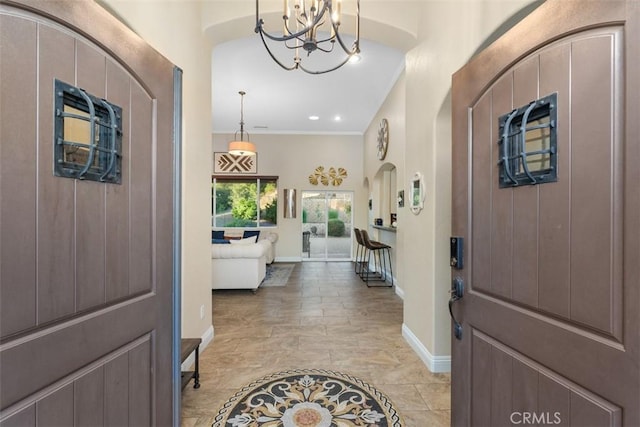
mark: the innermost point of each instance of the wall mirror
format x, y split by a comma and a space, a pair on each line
416, 193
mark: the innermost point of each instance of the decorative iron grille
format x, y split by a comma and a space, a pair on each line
87, 136
527, 153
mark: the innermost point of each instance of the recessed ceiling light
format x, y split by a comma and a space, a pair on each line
337, 118
314, 117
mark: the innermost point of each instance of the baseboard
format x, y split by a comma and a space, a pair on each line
435, 364
399, 292
207, 337
288, 259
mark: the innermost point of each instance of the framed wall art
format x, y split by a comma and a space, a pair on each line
226, 163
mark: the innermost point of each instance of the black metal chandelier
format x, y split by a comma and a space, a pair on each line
311, 25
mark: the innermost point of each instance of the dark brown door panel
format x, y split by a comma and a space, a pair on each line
550, 310
86, 266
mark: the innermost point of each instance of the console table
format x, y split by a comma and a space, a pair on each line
188, 346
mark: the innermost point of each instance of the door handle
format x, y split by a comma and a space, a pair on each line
457, 292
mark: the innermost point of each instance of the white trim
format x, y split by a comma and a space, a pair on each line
433, 363
288, 259
207, 337
400, 292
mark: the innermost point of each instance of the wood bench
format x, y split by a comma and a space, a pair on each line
188, 346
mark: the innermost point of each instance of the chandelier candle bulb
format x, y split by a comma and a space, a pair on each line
285, 17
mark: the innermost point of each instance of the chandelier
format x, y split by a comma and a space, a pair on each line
309, 26
240, 147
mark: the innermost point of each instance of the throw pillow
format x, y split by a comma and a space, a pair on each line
219, 241
217, 234
251, 233
247, 241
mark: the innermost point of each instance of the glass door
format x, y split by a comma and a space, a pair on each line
326, 225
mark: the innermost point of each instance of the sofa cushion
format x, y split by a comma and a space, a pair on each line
251, 233
219, 241
258, 250
247, 241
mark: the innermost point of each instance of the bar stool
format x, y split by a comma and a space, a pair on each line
379, 260
360, 252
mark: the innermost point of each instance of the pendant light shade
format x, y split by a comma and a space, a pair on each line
240, 147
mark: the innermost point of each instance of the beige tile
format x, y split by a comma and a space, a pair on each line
413, 373
260, 345
300, 331
205, 401
426, 418
325, 318
437, 395
239, 331
322, 320
296, 359
363, 357
348, 330
404, 397
328, 343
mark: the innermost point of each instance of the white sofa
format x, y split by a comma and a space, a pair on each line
242, 266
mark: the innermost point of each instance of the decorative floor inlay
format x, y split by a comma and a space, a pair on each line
308, 398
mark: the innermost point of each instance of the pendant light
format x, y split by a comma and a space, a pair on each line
240, 147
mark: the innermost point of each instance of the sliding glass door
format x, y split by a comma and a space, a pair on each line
326, 225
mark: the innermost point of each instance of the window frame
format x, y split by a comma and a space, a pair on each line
258, 180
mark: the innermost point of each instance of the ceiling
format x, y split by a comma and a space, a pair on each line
280, 102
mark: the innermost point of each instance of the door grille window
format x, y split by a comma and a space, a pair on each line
88, 136
528, 144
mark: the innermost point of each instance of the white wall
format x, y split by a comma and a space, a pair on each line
174, 30
450, 33
293, 158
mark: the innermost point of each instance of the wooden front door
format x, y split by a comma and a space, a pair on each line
551, 268
86, 266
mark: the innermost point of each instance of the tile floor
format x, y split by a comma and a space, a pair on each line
324, 318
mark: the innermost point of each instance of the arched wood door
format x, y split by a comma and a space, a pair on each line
551, 271
86, 267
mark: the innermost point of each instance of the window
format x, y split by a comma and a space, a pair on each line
245, 202
528, 144
88, 136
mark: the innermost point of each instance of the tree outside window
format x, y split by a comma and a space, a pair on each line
238, 203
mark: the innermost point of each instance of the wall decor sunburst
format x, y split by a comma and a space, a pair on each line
334, 176
314, 178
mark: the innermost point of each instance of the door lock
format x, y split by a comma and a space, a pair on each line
456, 252
457, 292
